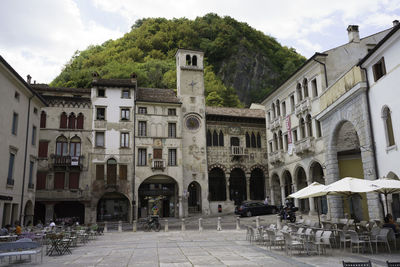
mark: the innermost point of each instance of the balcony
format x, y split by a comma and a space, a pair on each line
238, 151
305, 145
158, 164
275, 123
303, 107
62, 195
31, 186
67, 161
276, 157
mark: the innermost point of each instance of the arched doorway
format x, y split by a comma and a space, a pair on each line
287, 183
113, 207
40, 213
350, 165
28, 213
69, 211
216, 185
257, 184
276, 190
158, 192
301, 182
237, 186
394, 198
194, 199
317, 175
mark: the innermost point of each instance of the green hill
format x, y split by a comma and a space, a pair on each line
241, 63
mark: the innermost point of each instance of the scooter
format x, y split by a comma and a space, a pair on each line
288, 213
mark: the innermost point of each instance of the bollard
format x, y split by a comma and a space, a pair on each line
257, 221
237, 223
166, 225
105, 227
120, 226
183, 227
278, 222
200, 224
219, 228
134, 226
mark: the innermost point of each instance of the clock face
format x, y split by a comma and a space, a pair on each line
192, 123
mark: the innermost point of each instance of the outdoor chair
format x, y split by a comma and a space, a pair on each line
374, 237
292, 244
343, 239
356, 242
393, 264
299, 233
274, 239
357, 264
308, 233
249, 234
259, 236
322, 240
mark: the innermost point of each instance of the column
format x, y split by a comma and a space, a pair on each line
49, 212
272, 196
311, 202
227, 186
296, 200
180, 207
283, 194
248, 175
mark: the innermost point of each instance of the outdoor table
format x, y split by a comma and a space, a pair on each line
8, 238
56, 245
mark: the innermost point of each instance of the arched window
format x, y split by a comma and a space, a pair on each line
75, 147
215, 138
71, 121
280, 140
387, 121
278, 108
305, 88
111, 171
79, 121
258, 140
302, 128
299, 95
247, 139
61, 146
188, 60
221, 138
275, 142
309, 125
63, 120
194, 60
209, 138
43, 117
273, 111
253, 140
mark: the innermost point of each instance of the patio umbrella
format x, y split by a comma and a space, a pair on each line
386, 186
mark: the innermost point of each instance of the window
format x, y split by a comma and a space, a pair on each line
221, 138
10, 180
172, 157
71, 121
111, 171
305, 88
275, 142
295, 135
61, 146
292, 103
309, 125
215, 138
79, 121
258, 140
125, 114
299, 94
43, 117
100, 172
43, 147
142, 110
126, 93
157, 153
209, 142
278, 108
99, 139
142, 156
59, 180
194, 60
302, 126
75, 147
14, 128
100, 114
283, 108
314, 87
101, 92
280, 138
41, 180
73, 180
142, 128
63, 120
379, 69
286, 142
318, 128
270, 147
253, 140
269, 117
273, 111
124, 139
172, 112
123, 172
16, 96
35, 111
188, 60
387, 122
247, 139
172, 130
30, 182
33, 135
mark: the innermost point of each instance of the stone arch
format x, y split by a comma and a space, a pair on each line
316, 174
217, 165
287, 182
194, 198
257, 184
238, 166
237, 185
300, 183
28, 213
216, 183
276, 193
394, 199
392, 175
113, 206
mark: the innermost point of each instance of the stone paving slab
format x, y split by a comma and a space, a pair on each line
191, 248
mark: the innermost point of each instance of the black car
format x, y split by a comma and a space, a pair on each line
250, 208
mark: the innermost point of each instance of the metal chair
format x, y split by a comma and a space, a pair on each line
343, 239
393, 264
357, 264
292, 244
356, 241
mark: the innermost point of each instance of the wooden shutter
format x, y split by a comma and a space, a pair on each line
79, 121
123, 172
74, 180
63, 120
43, 147
99, 172
111, 174
59, 179
43, 119
41, 180
157, 153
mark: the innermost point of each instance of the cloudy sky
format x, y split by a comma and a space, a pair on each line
38, 37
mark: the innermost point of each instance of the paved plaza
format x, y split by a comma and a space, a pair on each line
191, 248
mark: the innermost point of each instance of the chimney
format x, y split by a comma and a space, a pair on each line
28, 79
354, 35
95, 76
395, 23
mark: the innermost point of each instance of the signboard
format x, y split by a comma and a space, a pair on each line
74, 161
289, 130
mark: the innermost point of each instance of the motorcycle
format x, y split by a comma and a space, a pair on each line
288, 213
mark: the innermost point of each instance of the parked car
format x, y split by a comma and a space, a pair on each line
250, 208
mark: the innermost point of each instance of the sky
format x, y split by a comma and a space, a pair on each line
38, 37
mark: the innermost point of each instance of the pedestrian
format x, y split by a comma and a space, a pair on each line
266, 201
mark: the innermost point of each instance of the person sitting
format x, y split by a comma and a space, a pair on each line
5, 230
18, 229
389, 223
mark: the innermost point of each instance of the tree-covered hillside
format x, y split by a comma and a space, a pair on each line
241, 62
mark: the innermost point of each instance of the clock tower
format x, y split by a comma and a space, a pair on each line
190, 90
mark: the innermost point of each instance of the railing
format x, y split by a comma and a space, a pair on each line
303, 106
66, 161
158, 164
238, 151
276, 157
275, 123
305, 145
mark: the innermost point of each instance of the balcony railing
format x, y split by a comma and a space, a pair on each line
238, 151
303, 107
158, 164
275, 123
64, 161
276, 157
305, 145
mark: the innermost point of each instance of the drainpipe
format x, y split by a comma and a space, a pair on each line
326, 76
134, 213
372, 135
25, 156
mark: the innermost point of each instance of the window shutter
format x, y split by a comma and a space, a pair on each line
63, 121
99, 172
41, 180
79, 121
157, 153
74, 180
59, 178
43, 147
43, 120
123, 172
